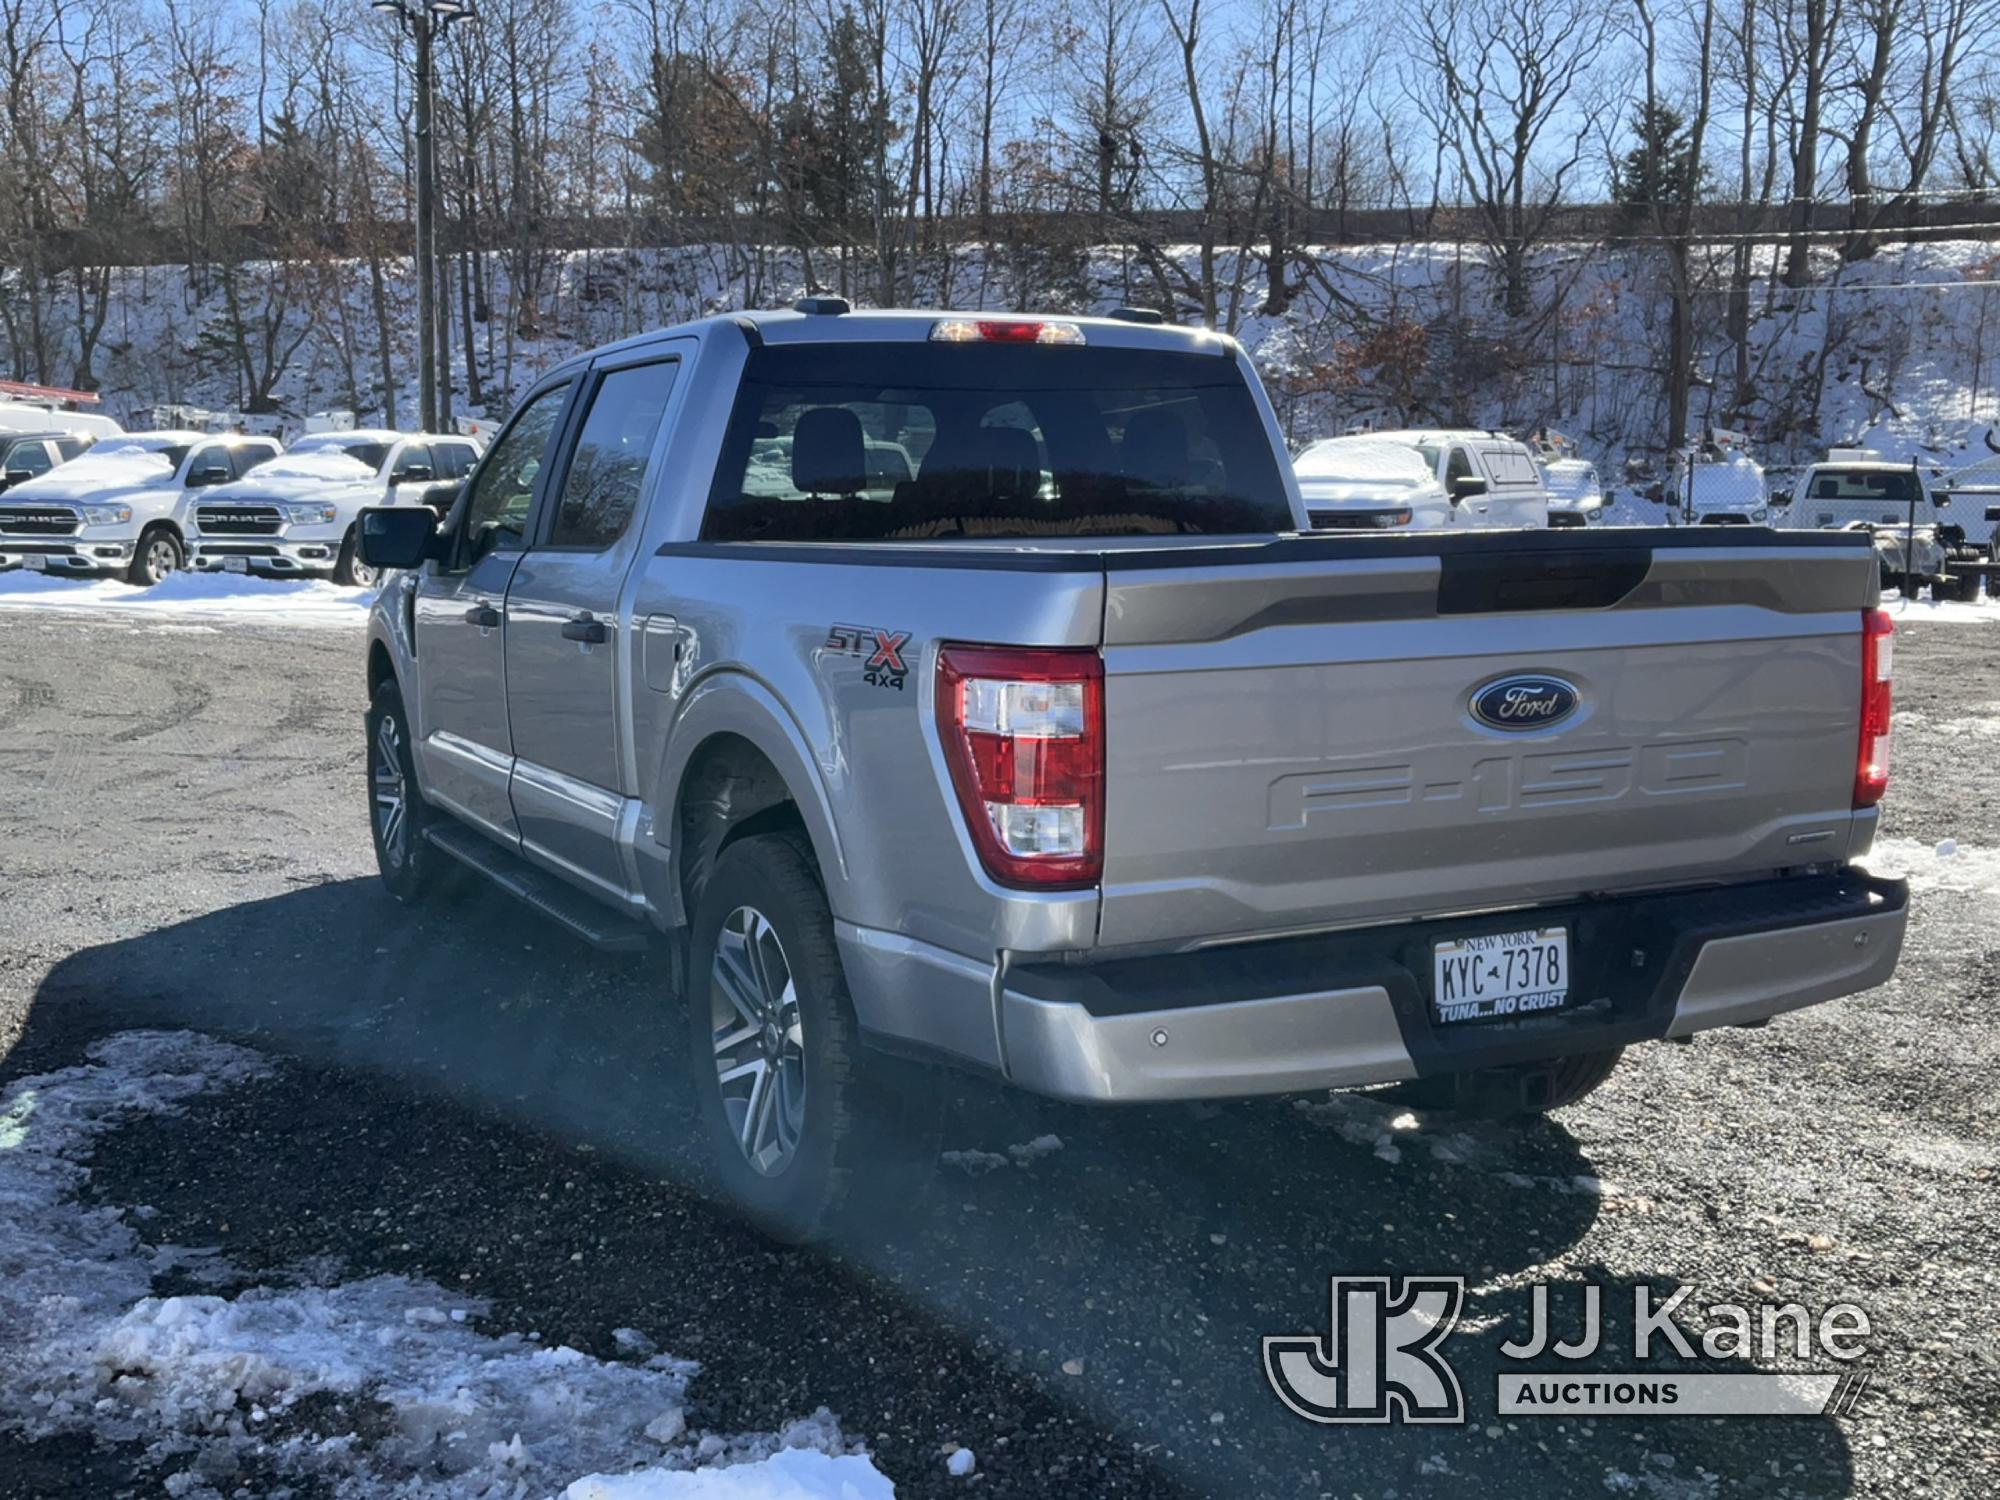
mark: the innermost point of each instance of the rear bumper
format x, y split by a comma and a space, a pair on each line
1353, 1008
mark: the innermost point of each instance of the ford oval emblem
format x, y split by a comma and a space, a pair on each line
1520, 703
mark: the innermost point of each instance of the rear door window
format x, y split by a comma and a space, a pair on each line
1510, 466
917, 441
600, 487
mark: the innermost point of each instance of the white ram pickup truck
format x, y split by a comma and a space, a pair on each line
296, 517
122, 507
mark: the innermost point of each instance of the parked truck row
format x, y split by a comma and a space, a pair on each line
144, 505
959, 691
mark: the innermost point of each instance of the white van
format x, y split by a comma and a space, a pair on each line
25, 416
1489, 478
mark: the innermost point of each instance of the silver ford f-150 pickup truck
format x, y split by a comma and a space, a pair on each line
959, 688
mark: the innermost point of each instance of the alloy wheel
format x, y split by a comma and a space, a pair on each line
758, 1040
391, 797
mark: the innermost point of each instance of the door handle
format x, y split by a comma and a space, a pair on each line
584, 628
485, 616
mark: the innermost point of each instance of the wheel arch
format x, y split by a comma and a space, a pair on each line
733, 734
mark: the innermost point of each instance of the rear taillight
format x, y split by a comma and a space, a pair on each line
1023, 733
1871, 766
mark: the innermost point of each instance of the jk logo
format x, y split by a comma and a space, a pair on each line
1378, 1361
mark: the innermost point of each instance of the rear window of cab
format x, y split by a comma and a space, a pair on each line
920, 441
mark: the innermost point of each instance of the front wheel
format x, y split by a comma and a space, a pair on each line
411, 867
157, 555
350, 570
800, 1126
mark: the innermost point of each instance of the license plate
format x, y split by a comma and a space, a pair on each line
1500, 974
34, 562
235, 565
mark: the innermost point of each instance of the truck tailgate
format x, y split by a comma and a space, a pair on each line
1294, 740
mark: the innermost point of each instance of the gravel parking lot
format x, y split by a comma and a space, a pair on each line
468, 1097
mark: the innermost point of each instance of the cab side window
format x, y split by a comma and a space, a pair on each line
1458, 466
454, 460
249, 455
210, 465
414, 466
600, 489
25, 460
503, 492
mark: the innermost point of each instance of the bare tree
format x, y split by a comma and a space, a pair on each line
1494, 82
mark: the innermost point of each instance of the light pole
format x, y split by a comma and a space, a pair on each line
425, 21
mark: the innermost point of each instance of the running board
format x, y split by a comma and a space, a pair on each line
598, 926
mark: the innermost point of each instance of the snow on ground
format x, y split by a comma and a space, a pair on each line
1945, 866
232, 598
1980, 611
210, 1386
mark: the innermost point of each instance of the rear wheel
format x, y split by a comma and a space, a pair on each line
1520, 1089
802, 1127
157, 555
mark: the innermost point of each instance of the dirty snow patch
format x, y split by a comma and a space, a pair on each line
233, 598
1943, 866
422, 1404
1981, 611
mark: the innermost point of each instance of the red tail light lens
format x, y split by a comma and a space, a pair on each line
1023, 733
1871, 767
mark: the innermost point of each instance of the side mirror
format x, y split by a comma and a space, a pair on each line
416, 474
1465, 486
1993, 512
397, 536
1781, 498
19, 476
442, 497
1940, 498
201, 478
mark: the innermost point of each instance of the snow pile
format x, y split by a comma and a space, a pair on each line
796, 1474
314, 463
224, 597
216, 1388
114, 465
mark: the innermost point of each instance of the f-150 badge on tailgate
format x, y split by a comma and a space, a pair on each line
1524, 702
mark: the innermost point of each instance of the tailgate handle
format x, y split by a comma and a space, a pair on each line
1503, 582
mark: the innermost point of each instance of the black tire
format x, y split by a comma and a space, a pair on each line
862, 1128
1521, 1089
349, 570
411, 867
158, 555
1965, 588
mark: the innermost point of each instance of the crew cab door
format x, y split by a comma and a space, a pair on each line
465, 754
1467, 509
413, 472
565, 649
